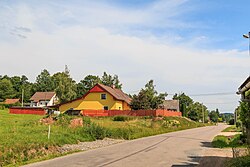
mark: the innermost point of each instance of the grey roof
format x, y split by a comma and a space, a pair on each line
171, 105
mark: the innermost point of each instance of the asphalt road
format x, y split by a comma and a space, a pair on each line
182, 148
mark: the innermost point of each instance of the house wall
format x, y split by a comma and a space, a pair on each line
93, 101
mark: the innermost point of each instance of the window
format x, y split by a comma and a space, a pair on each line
103, 96
105, 107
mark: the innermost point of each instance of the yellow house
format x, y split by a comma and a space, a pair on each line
100, 97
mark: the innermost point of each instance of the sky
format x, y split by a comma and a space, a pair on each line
190, 46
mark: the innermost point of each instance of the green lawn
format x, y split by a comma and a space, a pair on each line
232, 128
23, 138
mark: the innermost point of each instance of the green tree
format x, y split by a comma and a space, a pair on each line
6, 89
44, 82
65, 86
147, 98
185, 101
110, 80
196, 111
245, 118
214, 115
86, 84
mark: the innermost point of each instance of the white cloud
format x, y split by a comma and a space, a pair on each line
89, 46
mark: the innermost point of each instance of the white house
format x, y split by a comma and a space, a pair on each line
42, 99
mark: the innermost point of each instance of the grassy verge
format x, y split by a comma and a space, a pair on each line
232, 128
221, 141
24, 138
239, 162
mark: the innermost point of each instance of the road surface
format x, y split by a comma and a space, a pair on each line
182, 148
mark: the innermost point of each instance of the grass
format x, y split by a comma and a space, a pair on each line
232, 128
239, 162
221, 141
24, 139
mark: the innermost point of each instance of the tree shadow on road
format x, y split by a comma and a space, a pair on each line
204, 161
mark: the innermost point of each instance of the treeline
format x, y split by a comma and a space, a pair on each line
197, 111
65, 87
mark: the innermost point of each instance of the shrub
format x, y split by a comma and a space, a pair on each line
231, 122
239, 162
227, 141
238, 124
123, 118
220, 141
96, 131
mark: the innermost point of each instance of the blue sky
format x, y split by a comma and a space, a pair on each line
191, 46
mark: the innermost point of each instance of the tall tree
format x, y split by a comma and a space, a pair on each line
147, 98
185, 102
65, 86
6, 89
110, 80
44, 82
86, 84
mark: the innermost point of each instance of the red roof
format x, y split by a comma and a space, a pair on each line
11, 101
38, 96
116, 93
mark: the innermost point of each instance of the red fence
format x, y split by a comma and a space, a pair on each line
130, 112
27, 110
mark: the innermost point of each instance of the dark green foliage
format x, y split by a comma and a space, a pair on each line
228, 141
214, 115
123, 118
65, 86
44, 82
96, 131
6, 89
185, 101
110, 80
147, 98
239, 162
86, 84
231, 122
238, 124
193, 115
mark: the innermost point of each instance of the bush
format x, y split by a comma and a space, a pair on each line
227, 141
97, 132
239, 162
231, 122
238, 124
123, 118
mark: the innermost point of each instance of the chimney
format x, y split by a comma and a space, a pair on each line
113, 86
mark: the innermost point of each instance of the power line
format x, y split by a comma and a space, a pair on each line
203, 94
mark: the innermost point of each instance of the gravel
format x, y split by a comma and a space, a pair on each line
83, 146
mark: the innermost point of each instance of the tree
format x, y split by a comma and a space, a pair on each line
110, 80
245, 118
86, 84
65, 86
147, 98
185, 102
44, 82
214, 115
6, 89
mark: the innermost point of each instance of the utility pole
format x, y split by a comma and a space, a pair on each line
203, 120
22, 96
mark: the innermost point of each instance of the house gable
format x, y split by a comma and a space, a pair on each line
114, 100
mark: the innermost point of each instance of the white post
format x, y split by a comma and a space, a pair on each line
22, 96
203, 114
